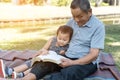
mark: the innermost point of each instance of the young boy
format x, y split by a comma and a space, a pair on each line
59, 44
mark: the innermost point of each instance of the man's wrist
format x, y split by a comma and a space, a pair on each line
75, 62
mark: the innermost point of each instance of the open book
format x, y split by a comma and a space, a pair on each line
52, 56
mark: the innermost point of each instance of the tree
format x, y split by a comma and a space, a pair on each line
110, 2
98, 2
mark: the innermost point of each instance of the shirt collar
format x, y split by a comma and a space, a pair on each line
90, 22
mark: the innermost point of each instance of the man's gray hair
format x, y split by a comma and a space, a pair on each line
84, 5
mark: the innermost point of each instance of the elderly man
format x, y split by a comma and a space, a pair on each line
83, 52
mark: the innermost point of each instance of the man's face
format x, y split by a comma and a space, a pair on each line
80, 17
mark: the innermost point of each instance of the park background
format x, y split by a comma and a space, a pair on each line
28, 24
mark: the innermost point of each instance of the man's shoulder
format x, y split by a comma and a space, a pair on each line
70, 21
95, 21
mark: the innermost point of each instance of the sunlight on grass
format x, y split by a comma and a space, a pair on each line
114, 43
22, 38
108, 38
21, 34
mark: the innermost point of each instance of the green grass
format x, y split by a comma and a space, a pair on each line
33, 38
112, 42
26, 37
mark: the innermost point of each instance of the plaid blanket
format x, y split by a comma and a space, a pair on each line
107, 68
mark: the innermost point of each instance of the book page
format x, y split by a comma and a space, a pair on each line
52, 56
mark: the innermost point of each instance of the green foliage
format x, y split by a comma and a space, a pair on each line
40, 2
61, 2
102, 4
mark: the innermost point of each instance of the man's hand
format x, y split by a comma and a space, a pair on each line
66, 62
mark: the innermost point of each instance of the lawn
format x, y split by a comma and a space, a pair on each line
112, 42
27, 37
34, 37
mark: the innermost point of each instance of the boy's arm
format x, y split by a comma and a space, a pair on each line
47, 45
45, 48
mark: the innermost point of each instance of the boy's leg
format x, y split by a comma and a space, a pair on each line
27, 71
6, 71
23, 67
29, 76
20, 74
22, 70
76, 72
40, 69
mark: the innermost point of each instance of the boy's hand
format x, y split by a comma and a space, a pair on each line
41, 52
44, 52
62, 52
38, 53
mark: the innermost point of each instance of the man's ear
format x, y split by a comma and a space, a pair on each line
90, 12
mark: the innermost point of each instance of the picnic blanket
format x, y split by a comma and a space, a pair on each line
107, 68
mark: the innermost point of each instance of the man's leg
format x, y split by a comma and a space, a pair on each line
76, 72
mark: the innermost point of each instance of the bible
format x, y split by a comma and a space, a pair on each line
52, 56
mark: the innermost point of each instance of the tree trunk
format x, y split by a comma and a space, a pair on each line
98, 2
118, 2
111, 2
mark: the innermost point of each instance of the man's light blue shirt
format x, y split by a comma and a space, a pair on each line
90, 35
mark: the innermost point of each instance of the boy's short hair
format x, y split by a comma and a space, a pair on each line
65, 29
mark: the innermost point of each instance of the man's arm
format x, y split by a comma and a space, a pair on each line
94, 52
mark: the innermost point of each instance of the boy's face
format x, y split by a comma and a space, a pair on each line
62, 38
81, 17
